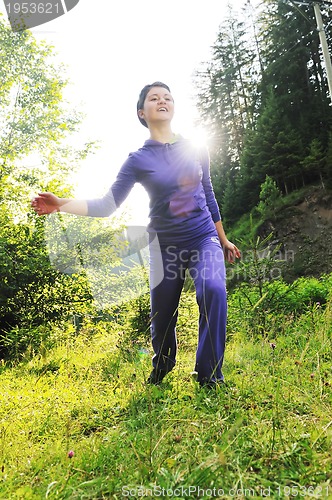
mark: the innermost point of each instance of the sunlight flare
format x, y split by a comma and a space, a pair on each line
198, 136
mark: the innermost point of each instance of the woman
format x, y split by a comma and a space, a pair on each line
186, 223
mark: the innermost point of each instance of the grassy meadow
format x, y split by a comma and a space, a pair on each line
78, 421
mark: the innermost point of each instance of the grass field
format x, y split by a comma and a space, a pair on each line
79, 422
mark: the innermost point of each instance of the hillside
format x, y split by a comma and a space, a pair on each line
304, 230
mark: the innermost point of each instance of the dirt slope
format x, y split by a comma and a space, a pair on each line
305, 233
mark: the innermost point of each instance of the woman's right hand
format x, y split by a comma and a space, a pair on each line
46, 203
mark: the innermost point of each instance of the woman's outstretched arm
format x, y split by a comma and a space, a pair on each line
48, 203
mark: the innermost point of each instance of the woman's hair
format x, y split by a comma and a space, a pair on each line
142, 97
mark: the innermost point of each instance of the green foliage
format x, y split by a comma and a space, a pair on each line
139, 317
25, 342
258, 288
260, 264
225, 94
328, 164
230, 210
269, 197
35, 125
264, 98
264, 305
261, 259
32, 108
33, 292
316, 159
307, 292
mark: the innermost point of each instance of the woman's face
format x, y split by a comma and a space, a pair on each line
158, 106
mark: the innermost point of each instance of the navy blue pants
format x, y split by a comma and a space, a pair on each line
205, 261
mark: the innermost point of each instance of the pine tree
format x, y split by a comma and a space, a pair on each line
315, 161
264, 97
269, 197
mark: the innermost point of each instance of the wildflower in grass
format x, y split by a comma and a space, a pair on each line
71, 454
272, 345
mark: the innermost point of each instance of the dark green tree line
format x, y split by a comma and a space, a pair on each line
265, 99
226, 99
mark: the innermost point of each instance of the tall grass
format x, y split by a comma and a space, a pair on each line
79, 422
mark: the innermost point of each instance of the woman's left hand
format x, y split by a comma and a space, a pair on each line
231, 252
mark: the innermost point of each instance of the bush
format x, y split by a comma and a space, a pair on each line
260, 308
32, 292
25, 343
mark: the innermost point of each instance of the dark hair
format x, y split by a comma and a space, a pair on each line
142, 97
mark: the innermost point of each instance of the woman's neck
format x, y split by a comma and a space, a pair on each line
162, 134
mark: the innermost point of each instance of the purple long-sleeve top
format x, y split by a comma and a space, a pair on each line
177, 179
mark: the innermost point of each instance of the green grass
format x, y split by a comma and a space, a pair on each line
268, 433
